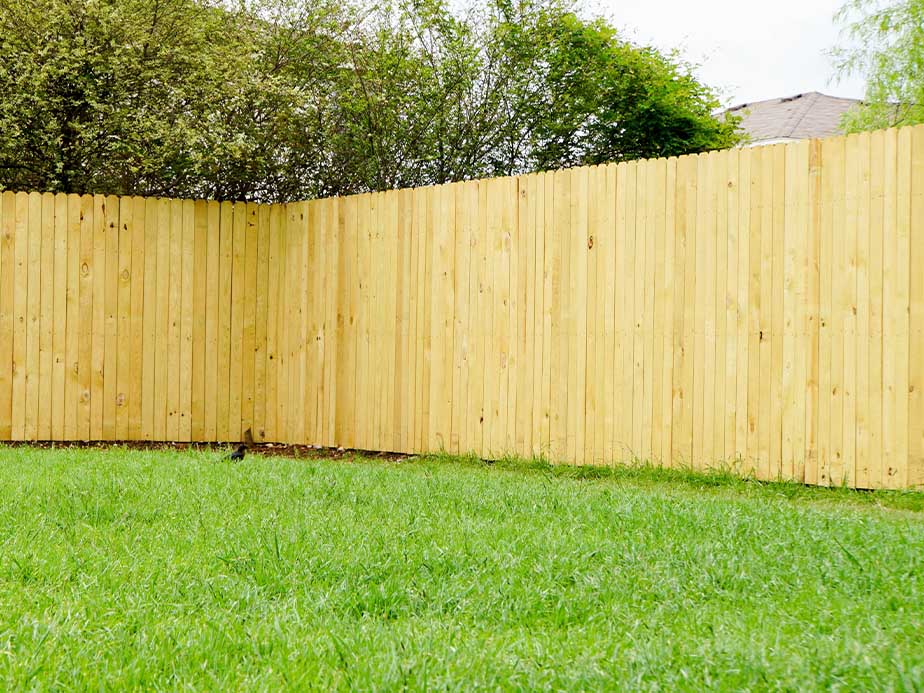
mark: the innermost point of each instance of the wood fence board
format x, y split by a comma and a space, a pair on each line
125, 236
7, 311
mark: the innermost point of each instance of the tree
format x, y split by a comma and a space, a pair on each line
886, 45
277, 100
501, 88
161, 97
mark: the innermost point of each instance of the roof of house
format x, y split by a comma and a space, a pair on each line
798, 117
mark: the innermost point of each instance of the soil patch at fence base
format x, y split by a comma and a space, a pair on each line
264, 449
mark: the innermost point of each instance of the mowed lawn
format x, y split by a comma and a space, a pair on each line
169, 570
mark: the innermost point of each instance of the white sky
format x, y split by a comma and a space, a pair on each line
748, 50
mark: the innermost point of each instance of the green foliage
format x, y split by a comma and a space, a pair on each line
277, 100
886, 45
127, 570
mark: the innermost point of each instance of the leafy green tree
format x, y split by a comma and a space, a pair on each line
290, 99
502, 88
886, 46
159, 97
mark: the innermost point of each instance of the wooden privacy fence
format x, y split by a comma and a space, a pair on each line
758, 307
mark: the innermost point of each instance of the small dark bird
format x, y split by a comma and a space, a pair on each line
238, 454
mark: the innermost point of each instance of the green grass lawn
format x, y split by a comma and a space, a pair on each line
167, 570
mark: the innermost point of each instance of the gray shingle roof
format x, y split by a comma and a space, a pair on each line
797, 117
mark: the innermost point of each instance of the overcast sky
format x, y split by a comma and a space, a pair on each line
750, 50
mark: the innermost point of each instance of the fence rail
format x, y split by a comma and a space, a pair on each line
758, 307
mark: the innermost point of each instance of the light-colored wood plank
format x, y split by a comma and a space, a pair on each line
225, 278
124, 357
877, 183
162, 319
812, 313
862, 333
248, 317
396, 291
149, 389
174, 319
687, 214
547, 194
332, 309
273, 270
21, 315
665, 356
375, 319
826, 312
7, 311
348, 334
839, 307
364, 404
656, 305
897, 297
587, 310
764, 425
211, 270
608, 297
561, 321
98, 329
702, 437
503, 435
236, 395
291, 384
792, 417
625, 221
578, 296
713, 412
461, 314
496, 279
310, 322
85, 333
729, 358
403, 302
776, 309
716, 317
159, 227
601, 256
199, 316
754, 294
915, 473
678, 235
514, 357
371, 271
58, 402
477, 409
799, 236
46, 317
640, 446
72, 301
185, 320
431, 210
742, 308
282, 340
593, 377
110, 334
318, 301
261, 317
137, 323
848, 303
524, 312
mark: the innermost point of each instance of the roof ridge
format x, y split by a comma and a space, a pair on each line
783, 99
805, 110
